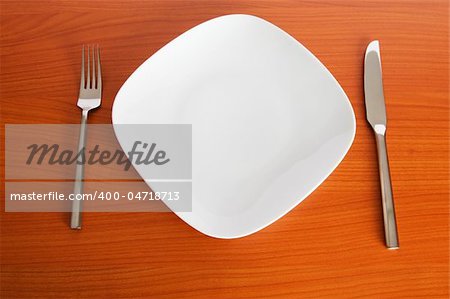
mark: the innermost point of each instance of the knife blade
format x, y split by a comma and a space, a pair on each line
376, 116
373, 86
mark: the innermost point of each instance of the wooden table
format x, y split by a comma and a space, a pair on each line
331, 246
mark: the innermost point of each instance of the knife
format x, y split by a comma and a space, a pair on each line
376, 116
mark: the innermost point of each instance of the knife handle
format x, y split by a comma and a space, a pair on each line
390, 225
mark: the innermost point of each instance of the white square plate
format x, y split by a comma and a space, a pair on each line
269, 121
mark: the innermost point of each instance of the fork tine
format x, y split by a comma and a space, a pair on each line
82, 81
99, 70
93, 67
88, 82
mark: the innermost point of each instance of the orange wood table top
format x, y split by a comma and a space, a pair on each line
330, 246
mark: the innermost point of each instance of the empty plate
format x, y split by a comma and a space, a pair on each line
269, 121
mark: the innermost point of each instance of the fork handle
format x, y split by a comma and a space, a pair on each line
75, 221
390, 225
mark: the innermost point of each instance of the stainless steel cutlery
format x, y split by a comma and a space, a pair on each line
376, 116
89, 98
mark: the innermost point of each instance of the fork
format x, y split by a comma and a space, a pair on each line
89, 98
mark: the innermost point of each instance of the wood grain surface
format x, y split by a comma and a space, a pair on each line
330, 246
